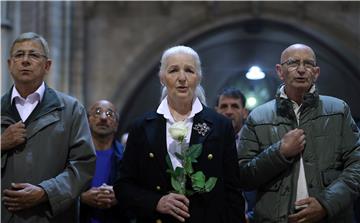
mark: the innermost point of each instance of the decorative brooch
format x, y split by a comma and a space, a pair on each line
201, 128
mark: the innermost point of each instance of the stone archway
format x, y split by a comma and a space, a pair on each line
243, 41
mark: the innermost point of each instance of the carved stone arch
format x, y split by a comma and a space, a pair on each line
193, 35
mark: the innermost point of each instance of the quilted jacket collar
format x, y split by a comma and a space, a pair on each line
284, 105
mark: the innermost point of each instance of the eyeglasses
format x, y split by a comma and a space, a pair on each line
33, 56
295, 64
109, 113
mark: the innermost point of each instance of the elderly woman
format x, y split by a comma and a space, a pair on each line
145, 186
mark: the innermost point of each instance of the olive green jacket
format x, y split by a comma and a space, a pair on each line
58, 155
331, 157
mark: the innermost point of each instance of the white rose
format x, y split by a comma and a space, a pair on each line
178, 131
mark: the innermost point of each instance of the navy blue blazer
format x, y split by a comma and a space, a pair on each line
144, 179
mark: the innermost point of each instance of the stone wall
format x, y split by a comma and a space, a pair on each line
111, 49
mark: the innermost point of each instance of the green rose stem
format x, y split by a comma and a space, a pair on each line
183, 175
187, 155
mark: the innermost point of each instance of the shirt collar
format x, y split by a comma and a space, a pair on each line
164, 110
37, 95
283, 94
296, 107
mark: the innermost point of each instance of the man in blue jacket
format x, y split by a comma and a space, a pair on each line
98, 203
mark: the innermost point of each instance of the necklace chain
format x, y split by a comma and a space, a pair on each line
181, 119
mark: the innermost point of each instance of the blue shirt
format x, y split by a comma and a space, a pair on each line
107, 171
103, 167
102, 175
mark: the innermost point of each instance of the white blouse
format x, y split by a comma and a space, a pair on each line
172, 145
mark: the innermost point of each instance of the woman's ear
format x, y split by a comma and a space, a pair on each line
199, 80
162, 80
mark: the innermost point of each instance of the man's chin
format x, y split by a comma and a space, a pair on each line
302, 84
103, 133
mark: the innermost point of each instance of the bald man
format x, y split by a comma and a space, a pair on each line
301, 151
98, 203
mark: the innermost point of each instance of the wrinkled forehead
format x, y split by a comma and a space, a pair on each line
225, 99
28, 45
181, 57
302, 52
103, 105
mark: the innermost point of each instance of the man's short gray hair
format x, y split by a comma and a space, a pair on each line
31, 36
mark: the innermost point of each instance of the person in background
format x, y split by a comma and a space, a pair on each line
124, 138
301, 151
231, 103
47, 154
98, 203
145, 185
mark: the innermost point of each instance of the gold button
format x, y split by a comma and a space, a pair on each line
210, 156
158, 187
151, 155
158, 221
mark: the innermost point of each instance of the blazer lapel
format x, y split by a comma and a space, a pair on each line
156, 135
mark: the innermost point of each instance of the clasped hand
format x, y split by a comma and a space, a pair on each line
22, 196
99, 197
292, 143
314, 212
13, 136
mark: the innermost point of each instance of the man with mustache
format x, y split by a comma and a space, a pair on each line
301, 151
98, 203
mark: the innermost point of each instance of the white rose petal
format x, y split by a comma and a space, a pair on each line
178, 131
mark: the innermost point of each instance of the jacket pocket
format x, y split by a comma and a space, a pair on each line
329, 175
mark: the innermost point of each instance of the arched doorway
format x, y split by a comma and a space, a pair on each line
228, 50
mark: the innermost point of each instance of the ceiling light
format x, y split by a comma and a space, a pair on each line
255, 73
251, 102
